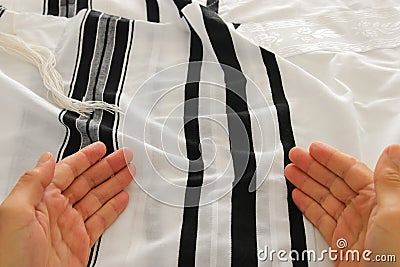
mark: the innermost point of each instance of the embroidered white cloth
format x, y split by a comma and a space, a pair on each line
205, 109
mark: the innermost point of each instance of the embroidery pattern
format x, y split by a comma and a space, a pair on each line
338, 31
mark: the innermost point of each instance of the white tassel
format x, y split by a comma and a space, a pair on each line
45, 61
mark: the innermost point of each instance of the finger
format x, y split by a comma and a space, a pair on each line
97, 197
316, 191
30, 187
315, 213
73, 166
103, 218
387, 177
355, 173
97, 174
321, 174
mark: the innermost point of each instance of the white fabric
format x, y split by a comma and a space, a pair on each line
359, 51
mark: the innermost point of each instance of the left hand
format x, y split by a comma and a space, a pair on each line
56, 212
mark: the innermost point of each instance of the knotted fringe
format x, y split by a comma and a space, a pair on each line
45, 61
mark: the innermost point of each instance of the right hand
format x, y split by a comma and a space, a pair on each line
344, 199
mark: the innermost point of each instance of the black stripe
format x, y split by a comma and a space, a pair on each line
93, 254
123, 78
297, 231
74, 140
82, 4
243, 231
60, 151
92, 251
114, 77
88, 48
187, 247
2, 9
67, 10
82, 78
213, 5
153, 12
53, 7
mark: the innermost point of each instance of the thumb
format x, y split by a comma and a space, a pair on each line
387, 177
30, 187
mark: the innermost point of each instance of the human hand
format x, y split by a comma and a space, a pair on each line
56, 212
343, 198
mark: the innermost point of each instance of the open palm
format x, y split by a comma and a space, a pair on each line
56, 212
337, 193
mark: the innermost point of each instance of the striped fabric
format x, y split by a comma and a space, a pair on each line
205, 112
99, 74
69, 8
65, 8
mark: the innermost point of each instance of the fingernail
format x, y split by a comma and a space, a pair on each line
44, 158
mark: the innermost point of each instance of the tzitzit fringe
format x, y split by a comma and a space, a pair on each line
45, 61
